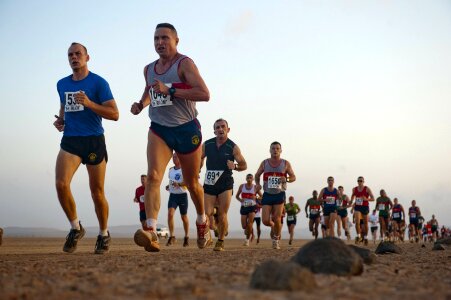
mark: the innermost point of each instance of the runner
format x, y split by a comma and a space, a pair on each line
178, 197
221, 154
342, 211
323, 227
248, 202
173, 127
384, 205
374, 219
434, 228
257, 218
398, 216
139, 198
362, 195
329, 196
314, 207
414, 213
277, 172
292, 210
85, 98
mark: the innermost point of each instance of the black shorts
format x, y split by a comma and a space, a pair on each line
373, 229
184, 139
222, 185
291, 222
244, 211
364, 210
258, 220
342, 213
142, 215
91, 149
323, 226
314, 216
180, 200
413, 222
329, 210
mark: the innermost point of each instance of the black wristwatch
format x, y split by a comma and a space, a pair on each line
172, 91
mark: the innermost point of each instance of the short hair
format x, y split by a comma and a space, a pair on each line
75, 43
360, 177
330, 177
291, 197
276, 143
167, 25
143, 175
249, 175
219, 120
340, 187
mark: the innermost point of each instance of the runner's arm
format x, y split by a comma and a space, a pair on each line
107, 110
238, 193
242, 165
59, 122
190, 75
137, 107
320, 196
371, 198
258, 174
291, 176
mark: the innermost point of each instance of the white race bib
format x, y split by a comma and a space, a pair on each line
212, 176
71, 105
330, 200
248, 202
339, 202
358, 201
141, 198
159, 99
290, 218
413, 215
381, 206
314, 211
274, 182
396, 215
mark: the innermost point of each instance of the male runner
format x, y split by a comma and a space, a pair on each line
173, 85
178, 197
247, 195
329, 196
292, 210
434, 228
398, 215
384, 205
277, 172
374, 219
314, 207
85, 98
362, 195
343, 203
414, 213
221, 154
139, 198
257, 218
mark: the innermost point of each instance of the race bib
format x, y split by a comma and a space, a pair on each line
71, 105
159, 99
212, 176
314, 211
274, 182
413, 215
141, 198
339, 202
381, 206
248, 203
396, 215
290, 218
330, 200
358, 201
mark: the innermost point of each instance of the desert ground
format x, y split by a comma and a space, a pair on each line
36, 268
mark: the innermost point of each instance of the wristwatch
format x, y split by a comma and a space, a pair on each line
172, 91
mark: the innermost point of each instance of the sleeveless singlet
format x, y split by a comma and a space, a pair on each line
330, 197
217, 160
272, 183
359, 196
248, 196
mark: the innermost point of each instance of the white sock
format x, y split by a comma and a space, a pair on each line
201, 219
358, 235
103, 232
152, 223
364, 237
75, 224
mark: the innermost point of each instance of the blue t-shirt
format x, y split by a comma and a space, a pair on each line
79, 120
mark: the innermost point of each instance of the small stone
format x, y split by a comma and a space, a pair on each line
276, 275
388, 247
367, 256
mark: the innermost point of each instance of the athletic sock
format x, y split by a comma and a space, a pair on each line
201, 219
75, 224
151, 223
358, 235
103, 232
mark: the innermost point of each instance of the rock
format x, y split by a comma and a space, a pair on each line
329, 256
276, 275
388, 247
367, 256
438, 246
444, 241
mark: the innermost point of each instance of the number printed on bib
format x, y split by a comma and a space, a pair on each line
382, 206
413, 215
71, 105
314, 211
396, 215
212, 176
290, 218
248, 203
358, 201
274, 182
159, 99
330, 200
141, 198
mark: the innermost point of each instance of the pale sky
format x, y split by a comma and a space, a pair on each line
348, 88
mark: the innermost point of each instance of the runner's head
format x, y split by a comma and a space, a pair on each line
165, 40
330, 181
143, 179
360, 181
395, 201
291, 199
315, 194
341, 189
383, 193
221, 129
78, 56
414, 203
275, 149
175, 160
249, 178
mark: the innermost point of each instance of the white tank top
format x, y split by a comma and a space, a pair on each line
175, 175
248, 196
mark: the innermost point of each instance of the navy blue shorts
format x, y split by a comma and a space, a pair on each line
342, 213
244, 211
414, 222
258, 220
314, 216
184, 139
364, 210
180, 200
273, 199
142, 215
327, 210
91, 149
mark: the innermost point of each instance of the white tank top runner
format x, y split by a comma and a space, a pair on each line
175, 175
248, 196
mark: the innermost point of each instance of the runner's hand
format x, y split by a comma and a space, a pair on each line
59, 123
82, 99
160, 87
136, 108
230, 165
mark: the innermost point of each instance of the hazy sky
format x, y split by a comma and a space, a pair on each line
349, 88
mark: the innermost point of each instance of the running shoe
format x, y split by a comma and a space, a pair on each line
72, 239
246, 243
203, 235
171, 241
216, 231
219, 246
103, 244
276, 244
290, 242
357, 240
186, 241
258, 240
147, 239
365, 242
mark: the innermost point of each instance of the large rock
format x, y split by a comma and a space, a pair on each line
329, 256
438, 246
388, 247
276, 275
368, 256
444, 241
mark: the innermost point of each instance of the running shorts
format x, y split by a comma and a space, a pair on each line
179, 200
91, 149
184, 139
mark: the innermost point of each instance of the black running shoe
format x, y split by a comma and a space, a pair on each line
186, 241
102, 244
171, 241
72, 239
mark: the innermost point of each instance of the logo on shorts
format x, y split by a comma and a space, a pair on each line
92, 157
195, 140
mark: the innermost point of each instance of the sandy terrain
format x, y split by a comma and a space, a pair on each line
38, 269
